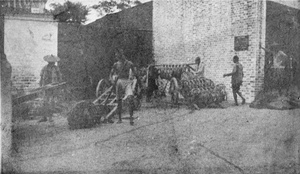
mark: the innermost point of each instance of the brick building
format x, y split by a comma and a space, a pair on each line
218, 30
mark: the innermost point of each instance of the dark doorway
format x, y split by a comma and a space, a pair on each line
282, 39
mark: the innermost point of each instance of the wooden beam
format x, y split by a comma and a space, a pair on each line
111, 113
102, 95
33, 94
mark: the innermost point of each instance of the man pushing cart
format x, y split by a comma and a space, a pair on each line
122, 75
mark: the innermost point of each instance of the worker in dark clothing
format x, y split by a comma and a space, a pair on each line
50, 74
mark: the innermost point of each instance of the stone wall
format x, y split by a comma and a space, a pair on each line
27, 39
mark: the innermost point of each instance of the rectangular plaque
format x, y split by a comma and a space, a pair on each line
241, 43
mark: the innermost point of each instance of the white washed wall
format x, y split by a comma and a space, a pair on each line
27, 40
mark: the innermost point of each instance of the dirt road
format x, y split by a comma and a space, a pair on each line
232, 140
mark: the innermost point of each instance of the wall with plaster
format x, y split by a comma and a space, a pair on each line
27, 39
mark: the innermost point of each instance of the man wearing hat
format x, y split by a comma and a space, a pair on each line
50, 74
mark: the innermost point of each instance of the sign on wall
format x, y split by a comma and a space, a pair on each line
241, 43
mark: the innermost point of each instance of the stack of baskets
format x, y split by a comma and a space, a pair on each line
202, 91
169, 71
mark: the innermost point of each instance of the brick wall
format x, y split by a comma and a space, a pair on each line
247, 20
186, 29
27, 39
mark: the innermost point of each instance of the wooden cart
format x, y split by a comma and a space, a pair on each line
105, 93
35, 93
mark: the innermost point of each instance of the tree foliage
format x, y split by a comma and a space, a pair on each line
76, 12
110, 6
69, 12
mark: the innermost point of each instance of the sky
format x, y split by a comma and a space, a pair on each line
93, 14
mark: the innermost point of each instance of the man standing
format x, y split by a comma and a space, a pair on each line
236, 79
152, 82
122, 74
50, 74
199, 72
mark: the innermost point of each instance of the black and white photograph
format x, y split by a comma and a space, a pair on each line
150, 86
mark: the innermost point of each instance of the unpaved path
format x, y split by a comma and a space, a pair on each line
232, 140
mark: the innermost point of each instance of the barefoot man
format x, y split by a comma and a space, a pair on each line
236, 79
123, 74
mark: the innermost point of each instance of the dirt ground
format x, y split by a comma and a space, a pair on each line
237, 139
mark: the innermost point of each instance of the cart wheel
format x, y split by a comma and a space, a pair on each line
174, 91
102, 86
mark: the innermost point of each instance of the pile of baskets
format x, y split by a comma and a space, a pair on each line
203, 92
85, 115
